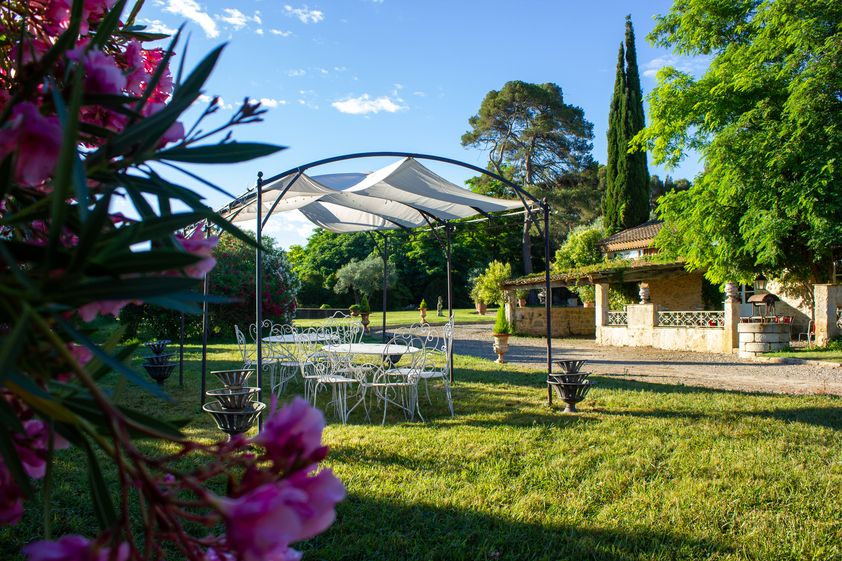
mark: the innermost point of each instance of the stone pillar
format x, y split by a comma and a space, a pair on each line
730, 335
601, 305
641, 326
826, 299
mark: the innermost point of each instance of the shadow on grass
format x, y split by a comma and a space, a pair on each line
830, 417
385, 530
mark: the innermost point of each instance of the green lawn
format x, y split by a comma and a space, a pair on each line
645, 471
396, 318
832, 352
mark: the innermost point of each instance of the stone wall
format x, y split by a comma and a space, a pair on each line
828, 299
566, 322
680, 292
641, 331
794, 306
759, 338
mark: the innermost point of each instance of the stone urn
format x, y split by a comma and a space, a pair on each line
365, 321
521, 302
501, 346
423, 314
481, 308
587, 304
644, 293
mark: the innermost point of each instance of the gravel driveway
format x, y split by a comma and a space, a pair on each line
655, 365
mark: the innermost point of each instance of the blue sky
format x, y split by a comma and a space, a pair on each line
367, 75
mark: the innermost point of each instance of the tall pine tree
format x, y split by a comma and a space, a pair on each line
627, 192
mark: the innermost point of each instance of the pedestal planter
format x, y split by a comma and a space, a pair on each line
423, 315
571, 385
481, 308
501, 346
365, 321
233, 408
233, 422
158, 365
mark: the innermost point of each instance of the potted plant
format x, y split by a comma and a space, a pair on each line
354, 309
586, 293
501, 332
365, 310
478, 302
423, 308
521, 294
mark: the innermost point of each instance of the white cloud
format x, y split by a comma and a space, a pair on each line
694, 65
259, 31
296, 72
191, 10
157, 26
270, 103
322, 71
339, 69
205, 99
365, 104
305, 14
238, 20
280, 32
419, 94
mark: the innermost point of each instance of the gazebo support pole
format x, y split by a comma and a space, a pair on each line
448, 228
548, 300
205, 290
258, 290
385, 255
181, 353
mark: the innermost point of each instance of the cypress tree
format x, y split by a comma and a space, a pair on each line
637, 177
626, 201
615, 170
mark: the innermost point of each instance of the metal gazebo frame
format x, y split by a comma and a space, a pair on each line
256, 193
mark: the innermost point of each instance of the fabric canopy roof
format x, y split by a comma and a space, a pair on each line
401, 195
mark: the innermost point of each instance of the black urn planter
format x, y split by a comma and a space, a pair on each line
158, 365
233, 407
570, 385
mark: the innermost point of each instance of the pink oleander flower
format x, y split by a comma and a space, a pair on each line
56, 17
73, 548
134, 61
33, 447
200, 246
37, 141
176, 130
262, 523
102, 75
292, 435
104, 307
11, 497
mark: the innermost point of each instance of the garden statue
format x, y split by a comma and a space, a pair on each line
439, 307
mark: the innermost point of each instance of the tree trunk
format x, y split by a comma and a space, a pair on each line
527, 245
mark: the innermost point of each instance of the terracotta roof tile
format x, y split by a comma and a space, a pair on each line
630, 238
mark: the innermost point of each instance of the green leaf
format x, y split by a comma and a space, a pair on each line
229, 153
125, 289
156, 185
13, 344
12, 460
192, 85
143, 133
156, 227
103, 505
149, 261
110, 360
108, 24
91, 230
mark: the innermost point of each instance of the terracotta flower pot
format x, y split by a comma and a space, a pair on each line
423, 314
521, 302
480, 306
501, 346
364, 320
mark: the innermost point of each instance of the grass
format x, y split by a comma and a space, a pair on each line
408, 317
645, 471
831, 352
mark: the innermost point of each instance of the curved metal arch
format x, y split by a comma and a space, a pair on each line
520, 191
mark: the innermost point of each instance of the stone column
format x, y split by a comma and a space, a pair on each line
826, 299
730, 336
601, 305
641, 327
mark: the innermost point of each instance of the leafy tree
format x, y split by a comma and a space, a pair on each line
767, 116
580, 248
363, 278
626, 202
658, 188
488, 287
531, 134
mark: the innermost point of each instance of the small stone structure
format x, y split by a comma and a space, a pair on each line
758, 338
566, 322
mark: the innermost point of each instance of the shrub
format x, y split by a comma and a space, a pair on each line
324, 307
364, 307
422, 305
354, 309
501, 324
579, 249
488, 287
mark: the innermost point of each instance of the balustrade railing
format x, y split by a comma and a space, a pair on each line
618, 318
691, 319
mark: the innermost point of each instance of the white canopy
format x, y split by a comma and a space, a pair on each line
401, 195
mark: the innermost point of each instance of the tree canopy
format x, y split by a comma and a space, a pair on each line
532, 136
626, 201
767, 117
